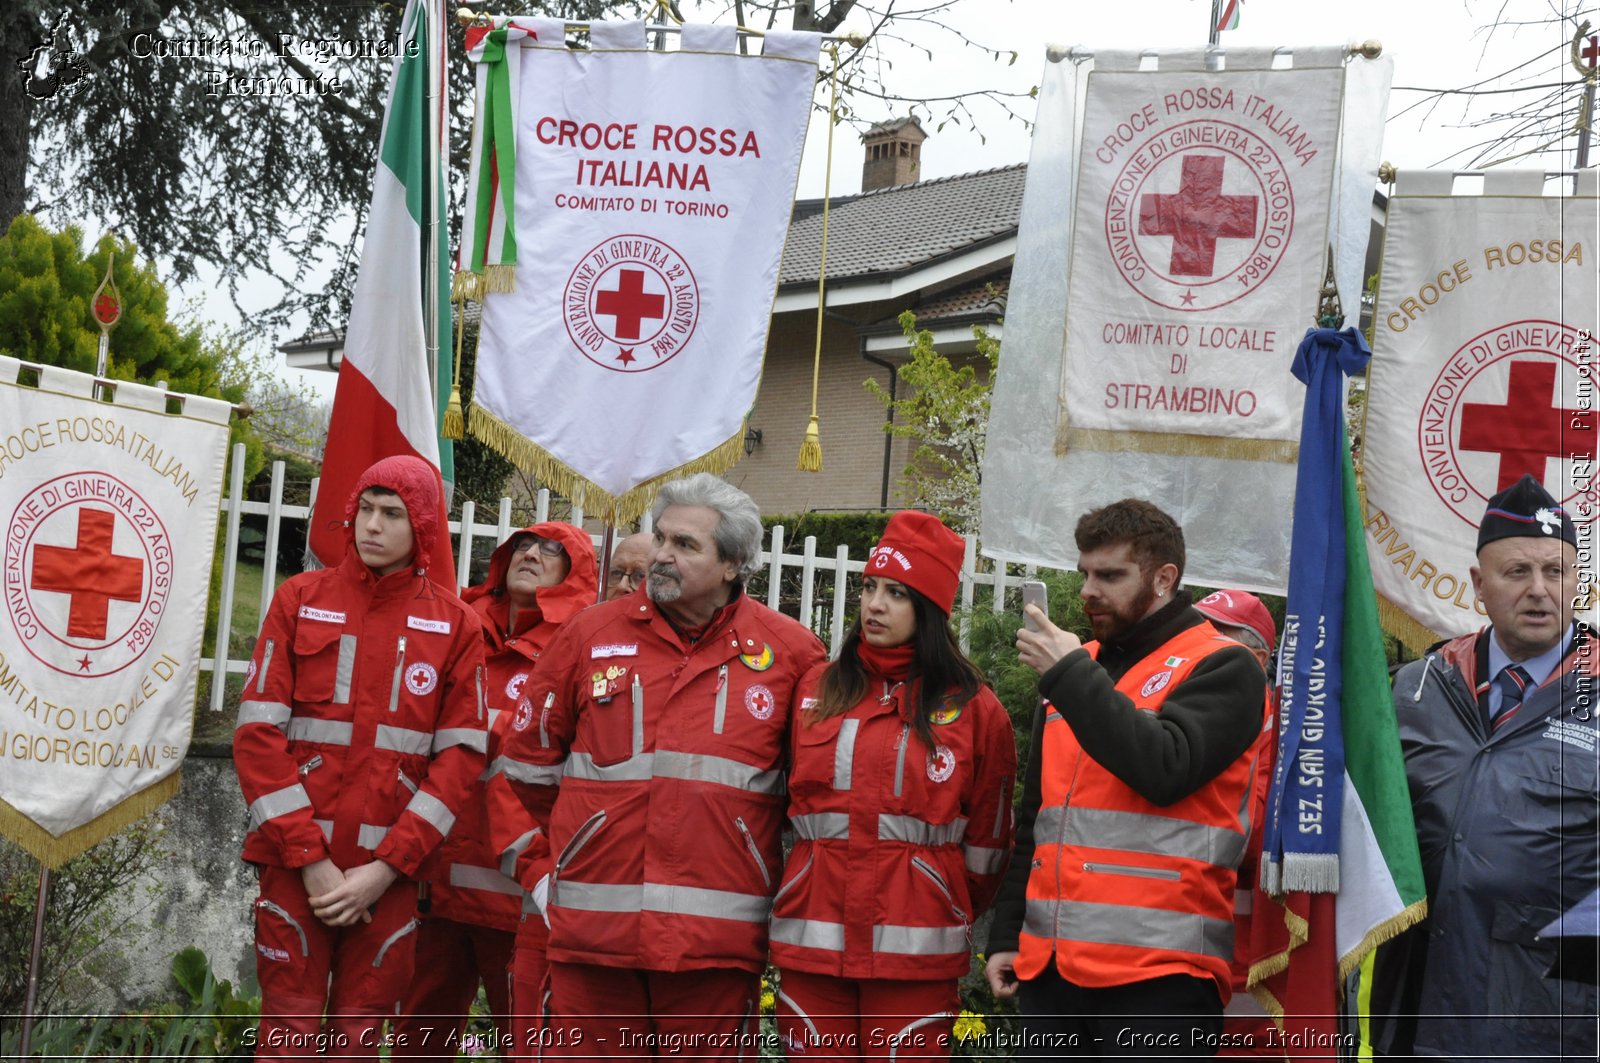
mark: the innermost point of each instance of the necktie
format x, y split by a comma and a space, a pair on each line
1513, 681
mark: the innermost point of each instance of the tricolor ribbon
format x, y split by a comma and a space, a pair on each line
487, 258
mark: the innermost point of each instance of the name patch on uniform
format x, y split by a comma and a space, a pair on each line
276, 955
1572, 734
1155, 683
421, 624
808, 703
325, 615
614, 649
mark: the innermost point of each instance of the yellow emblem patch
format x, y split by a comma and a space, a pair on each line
946, 715
758, 662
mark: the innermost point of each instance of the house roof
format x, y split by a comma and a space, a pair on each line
893, 230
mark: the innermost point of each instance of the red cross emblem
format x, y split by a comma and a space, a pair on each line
89, 573
1197, 216
630, 304
1529, 427
1591, 52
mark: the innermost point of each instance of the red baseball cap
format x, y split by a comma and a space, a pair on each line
1240, 609
919, 551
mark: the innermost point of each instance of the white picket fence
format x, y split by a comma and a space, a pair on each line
824, 612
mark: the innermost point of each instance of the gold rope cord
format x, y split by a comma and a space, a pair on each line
811, 447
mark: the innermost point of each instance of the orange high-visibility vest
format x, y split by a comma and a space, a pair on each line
1123, 890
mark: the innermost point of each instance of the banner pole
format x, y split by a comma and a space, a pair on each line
430, 297
26, 1041
605, 560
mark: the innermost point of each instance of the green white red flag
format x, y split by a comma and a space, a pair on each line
386, 403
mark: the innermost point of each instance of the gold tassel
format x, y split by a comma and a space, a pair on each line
453, 425
53, 851
499, 278
466, 285
811, 448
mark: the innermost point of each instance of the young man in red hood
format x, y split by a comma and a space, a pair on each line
538, 578
360, 735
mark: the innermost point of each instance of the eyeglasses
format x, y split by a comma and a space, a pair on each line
634, 576
547, 547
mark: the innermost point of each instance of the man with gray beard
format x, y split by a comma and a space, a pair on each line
664, 717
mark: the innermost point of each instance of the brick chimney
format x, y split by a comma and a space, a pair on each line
894, 154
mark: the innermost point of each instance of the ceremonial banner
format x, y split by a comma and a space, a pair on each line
1483, 369
652, 197
110, 518
1175, 233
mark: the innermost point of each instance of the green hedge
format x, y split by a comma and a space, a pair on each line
860, 531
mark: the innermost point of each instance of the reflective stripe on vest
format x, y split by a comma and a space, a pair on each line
886, 938
327, 732
670, 764
919, 832
1113, 873
403, 740
473, 738
983, 860
660, 897
278, 803
522, 771
814, 826
844, 753
272, 713
431, 809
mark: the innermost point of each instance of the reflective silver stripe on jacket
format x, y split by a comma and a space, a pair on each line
522, 771
669, 764
473, 738
326, 826
982, 860
328, 732
294, 924
660, 897
433, 810
1159, 929
473, 877
272, 713
402, 740
278, 803
370, 836
508, 858
919, 940
899, 940
809, 933
919, 832
844, 754
377, 961
1137, 832
345, 669
814, 825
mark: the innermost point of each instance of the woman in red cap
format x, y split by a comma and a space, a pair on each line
902, 763
538, 578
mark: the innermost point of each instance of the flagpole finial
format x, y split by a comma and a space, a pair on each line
1370, 48
1330, 312
1387, 172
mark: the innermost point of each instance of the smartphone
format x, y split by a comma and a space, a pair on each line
1034, 593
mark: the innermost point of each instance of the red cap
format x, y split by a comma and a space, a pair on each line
922, 553
1240, 609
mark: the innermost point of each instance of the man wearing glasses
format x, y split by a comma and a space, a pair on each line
630, 565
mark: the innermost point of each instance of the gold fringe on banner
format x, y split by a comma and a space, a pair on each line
1412, 633
1176, 444
616, 510
52, 851
1401, 921
499, 278
453, 425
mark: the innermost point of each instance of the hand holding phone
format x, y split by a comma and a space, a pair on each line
1035, 594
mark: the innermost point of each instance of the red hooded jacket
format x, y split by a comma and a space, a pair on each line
468, 885
361, 729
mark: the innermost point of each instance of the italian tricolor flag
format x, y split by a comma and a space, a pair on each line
1229, 18
385, 403
1303, 945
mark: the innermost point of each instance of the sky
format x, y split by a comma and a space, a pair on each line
1439, 44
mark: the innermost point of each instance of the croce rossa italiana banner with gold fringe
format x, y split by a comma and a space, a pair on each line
1483, 369
644, 231
1177, 222
109, 516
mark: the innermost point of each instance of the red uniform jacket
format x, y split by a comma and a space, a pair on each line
670, 756
899, 847
468, 884
361, 728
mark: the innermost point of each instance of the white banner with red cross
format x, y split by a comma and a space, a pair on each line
1176, 229
651, 199
1483, 369
109, 517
